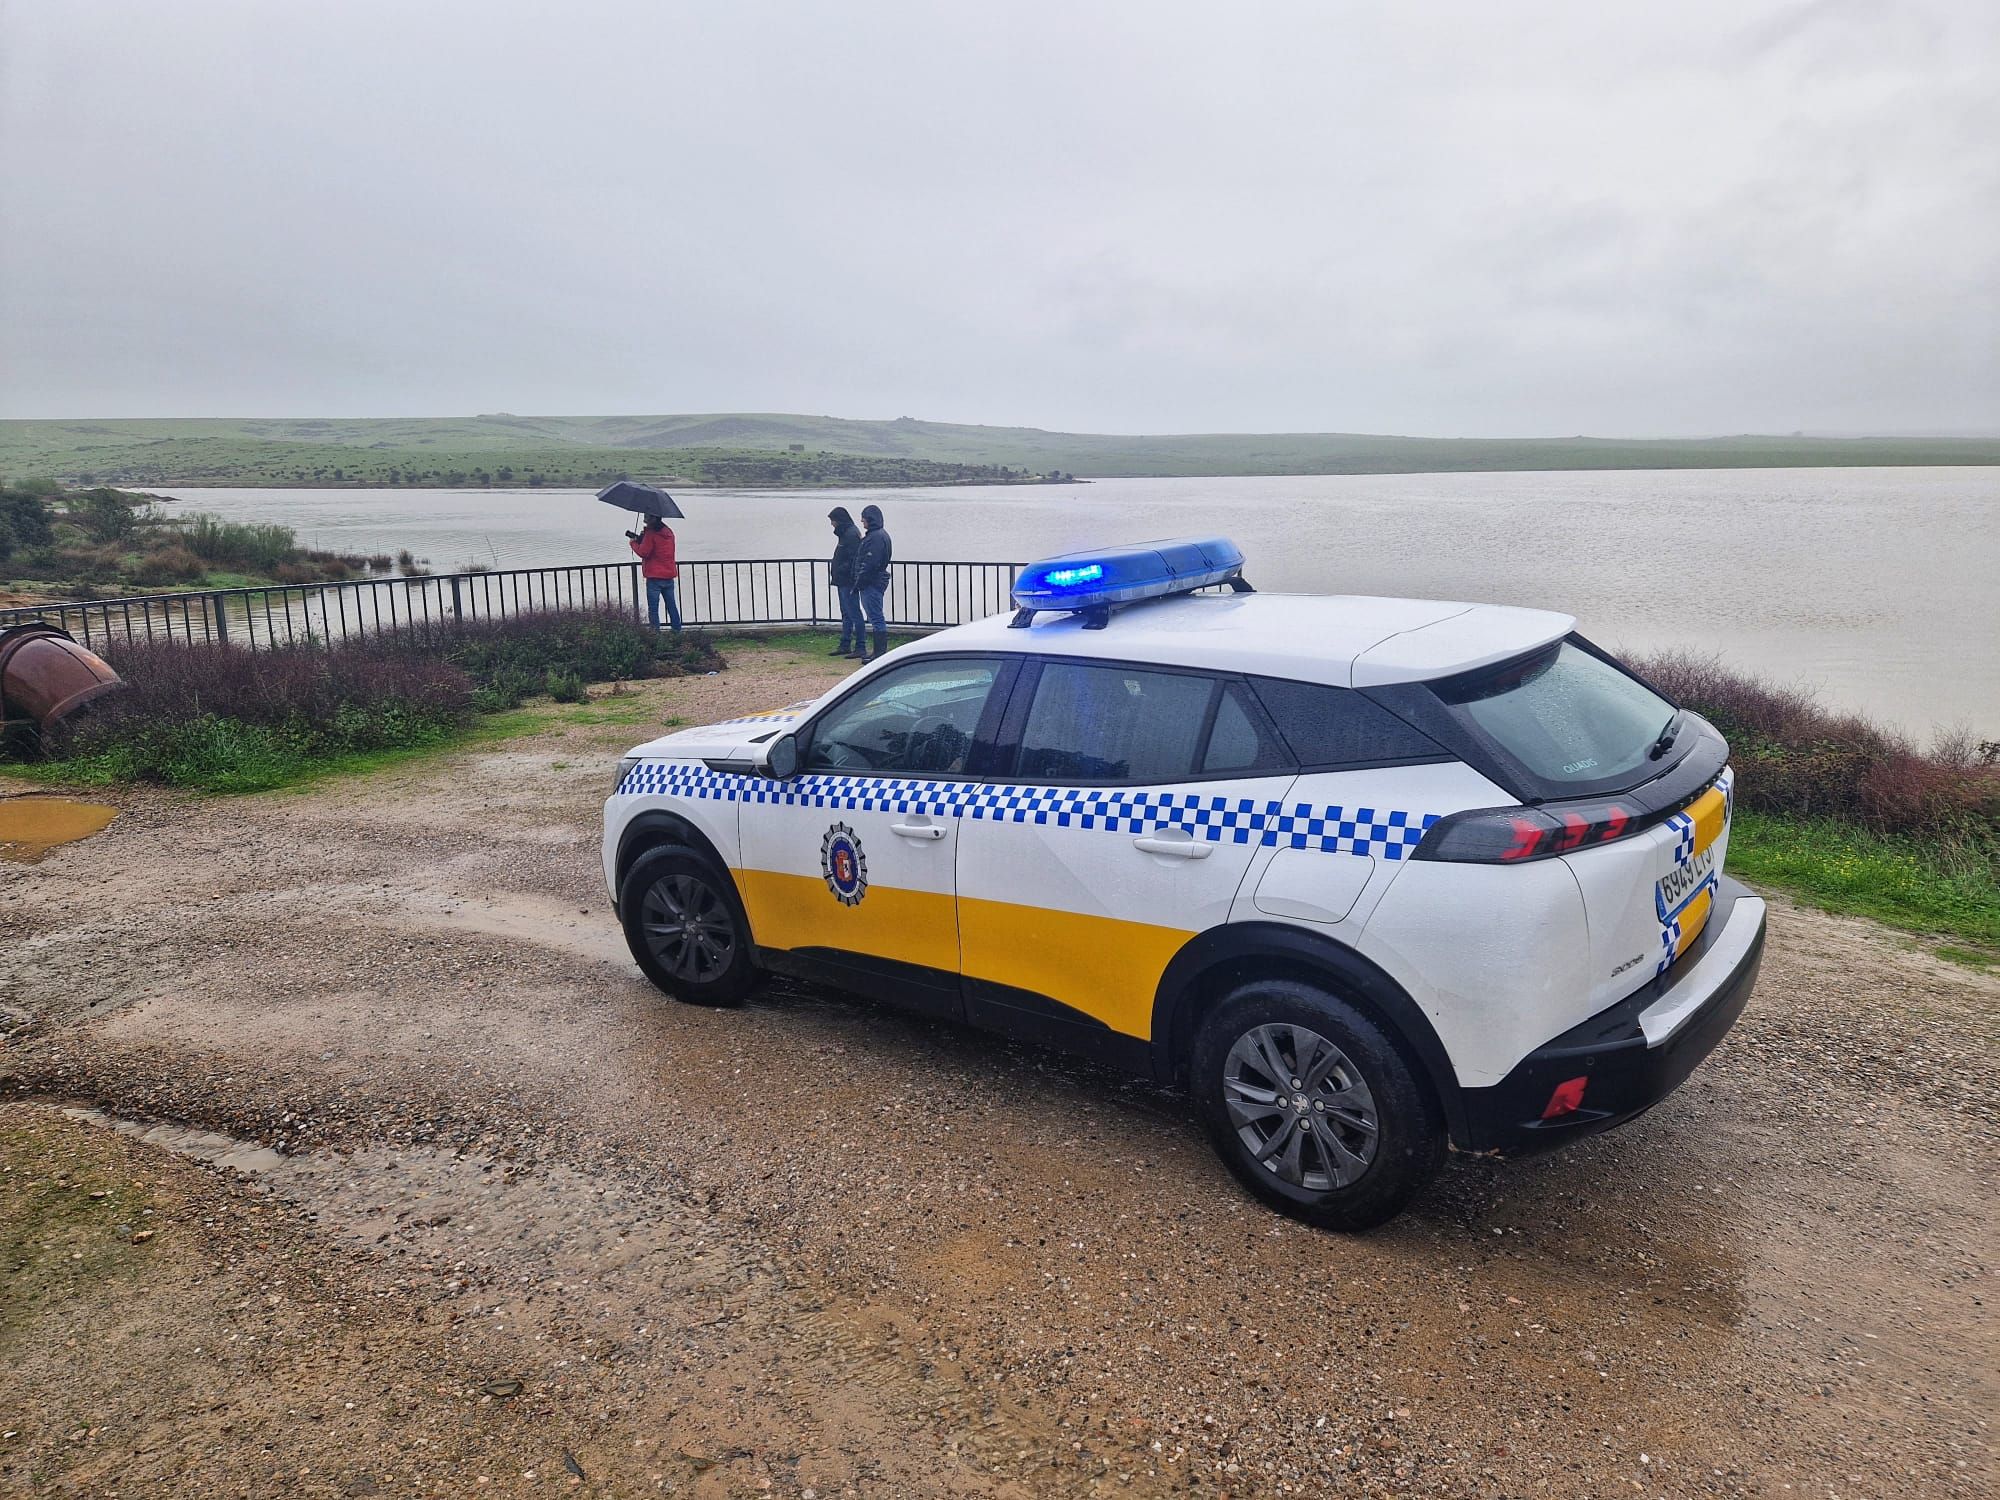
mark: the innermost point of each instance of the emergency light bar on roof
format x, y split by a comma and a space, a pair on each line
1089, 583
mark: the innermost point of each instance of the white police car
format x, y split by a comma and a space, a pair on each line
1366, 876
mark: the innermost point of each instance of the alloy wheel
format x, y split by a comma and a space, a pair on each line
1300, 1106
688, 928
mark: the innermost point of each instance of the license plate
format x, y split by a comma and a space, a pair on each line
1685, 895
1683, 881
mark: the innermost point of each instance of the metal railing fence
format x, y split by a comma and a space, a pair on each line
789, 591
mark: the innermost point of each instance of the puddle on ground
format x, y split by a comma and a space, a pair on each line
31, 826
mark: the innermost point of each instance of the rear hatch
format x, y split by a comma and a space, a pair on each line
1634, 792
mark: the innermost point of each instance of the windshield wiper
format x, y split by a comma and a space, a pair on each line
1666, 740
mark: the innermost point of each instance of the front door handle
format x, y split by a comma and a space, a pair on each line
1183, 847
928, 831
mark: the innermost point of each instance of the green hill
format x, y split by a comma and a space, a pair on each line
774, 448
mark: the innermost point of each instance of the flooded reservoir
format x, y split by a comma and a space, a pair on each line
1873, 586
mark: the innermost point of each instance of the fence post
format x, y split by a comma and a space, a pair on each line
221, 617
639, 592
457, 602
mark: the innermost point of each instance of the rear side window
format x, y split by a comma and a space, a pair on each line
1239, 744
1331, 726
1101, 723
1571, 719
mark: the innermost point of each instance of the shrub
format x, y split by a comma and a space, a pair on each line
329, 566
515, 653
237, 545
508, 688
189, 713
173, 563
1800, 760
226, 718
106, 515
24, 518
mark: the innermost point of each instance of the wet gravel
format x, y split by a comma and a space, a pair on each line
811, 1246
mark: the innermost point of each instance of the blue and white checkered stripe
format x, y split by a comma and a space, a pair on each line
1382, 833
1670, 945
1681, 826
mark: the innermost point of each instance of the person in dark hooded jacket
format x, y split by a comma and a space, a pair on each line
840, 570
871, 575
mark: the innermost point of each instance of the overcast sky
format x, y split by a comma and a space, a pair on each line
1448, 217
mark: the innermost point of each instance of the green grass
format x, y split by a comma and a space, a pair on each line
209, 459
1904, 882
754, 448
229, 756
801, 646
244, 758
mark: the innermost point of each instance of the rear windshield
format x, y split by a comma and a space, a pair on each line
1570, 719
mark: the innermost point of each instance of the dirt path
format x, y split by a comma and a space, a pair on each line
493, 1217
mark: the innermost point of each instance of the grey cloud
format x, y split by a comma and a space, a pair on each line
1449, 218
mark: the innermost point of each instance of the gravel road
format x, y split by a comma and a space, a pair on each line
346, 1153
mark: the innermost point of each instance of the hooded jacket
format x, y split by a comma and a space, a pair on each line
656, 552
871, 567
846, 548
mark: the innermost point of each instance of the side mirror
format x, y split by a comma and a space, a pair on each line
781, 761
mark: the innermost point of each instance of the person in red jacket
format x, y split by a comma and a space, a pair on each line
655, 546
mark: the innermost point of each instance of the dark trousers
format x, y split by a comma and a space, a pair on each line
663, 588
871, 605
853, 633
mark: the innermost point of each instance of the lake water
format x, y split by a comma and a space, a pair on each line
1878, 587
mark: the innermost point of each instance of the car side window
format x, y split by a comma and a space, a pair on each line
918, 719
1332, 726
1238, 743
1110, 723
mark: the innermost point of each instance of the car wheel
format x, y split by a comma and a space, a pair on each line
1312, 1106
685, 926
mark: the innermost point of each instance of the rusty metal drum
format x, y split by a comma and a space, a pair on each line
45, 674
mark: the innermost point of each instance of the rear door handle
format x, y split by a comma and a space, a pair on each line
928, 831
1183, 847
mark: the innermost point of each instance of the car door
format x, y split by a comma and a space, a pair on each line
1138, 796
848, 869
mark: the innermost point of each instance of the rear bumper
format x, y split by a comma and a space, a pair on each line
1634, 1054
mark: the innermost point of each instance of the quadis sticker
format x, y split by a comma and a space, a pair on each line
844, 865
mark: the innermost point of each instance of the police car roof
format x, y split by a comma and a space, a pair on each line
1346, 640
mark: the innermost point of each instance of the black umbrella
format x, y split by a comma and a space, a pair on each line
646, 499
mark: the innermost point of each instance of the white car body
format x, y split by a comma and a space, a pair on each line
1093, 912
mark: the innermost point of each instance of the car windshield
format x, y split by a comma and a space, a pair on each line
1572, 720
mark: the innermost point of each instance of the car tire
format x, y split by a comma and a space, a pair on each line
686, 928
1345, 1137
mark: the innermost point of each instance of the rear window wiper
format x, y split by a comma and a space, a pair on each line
1666, 740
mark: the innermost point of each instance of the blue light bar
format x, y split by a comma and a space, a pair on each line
1094, 581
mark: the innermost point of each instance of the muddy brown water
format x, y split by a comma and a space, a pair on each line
31, 826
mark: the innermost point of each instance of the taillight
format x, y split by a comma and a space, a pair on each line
1514, 835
